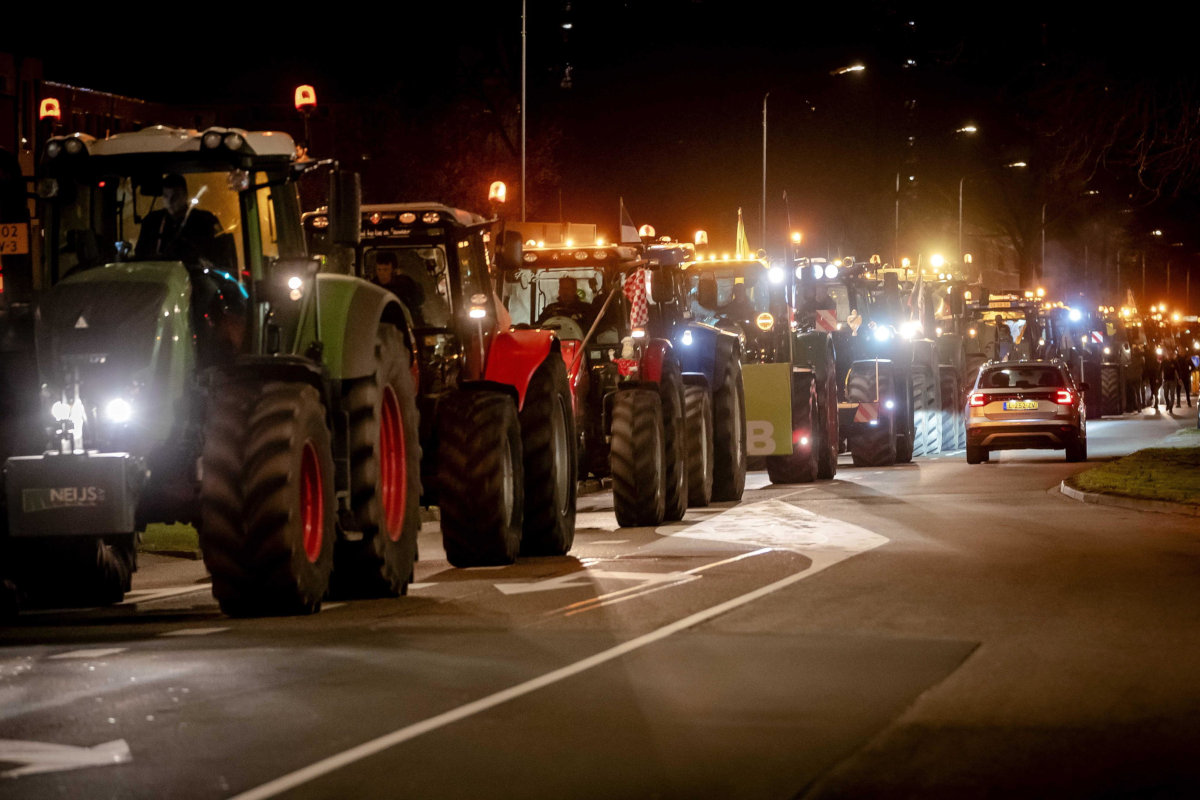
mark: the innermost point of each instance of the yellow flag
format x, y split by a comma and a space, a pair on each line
743, 244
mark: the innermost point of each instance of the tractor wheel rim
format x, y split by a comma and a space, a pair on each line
562, 469
393, 464
312, 502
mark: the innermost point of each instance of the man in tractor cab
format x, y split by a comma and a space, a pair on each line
179, 231
569, 304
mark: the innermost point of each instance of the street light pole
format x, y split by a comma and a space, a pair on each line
960, 204
523, 63
764, 172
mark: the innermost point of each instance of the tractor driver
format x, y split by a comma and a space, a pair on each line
568, 304
178, 231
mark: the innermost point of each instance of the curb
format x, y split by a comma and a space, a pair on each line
1131, 503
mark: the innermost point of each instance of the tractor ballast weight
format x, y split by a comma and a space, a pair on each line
221, 380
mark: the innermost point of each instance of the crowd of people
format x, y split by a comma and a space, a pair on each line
1166, 376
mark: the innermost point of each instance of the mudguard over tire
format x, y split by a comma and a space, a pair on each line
874, 446
551, 462
698, 404
670, 390
801, 465
481, 478
729, 432
385, 477
637, 455
267, 500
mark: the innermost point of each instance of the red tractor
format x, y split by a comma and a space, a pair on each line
497, 428
628, 387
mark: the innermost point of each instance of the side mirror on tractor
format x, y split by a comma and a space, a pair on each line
345, 208
510, 252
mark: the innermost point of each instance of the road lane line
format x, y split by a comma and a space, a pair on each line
637, 591
133, 598
194, 632
821, 560
99, 652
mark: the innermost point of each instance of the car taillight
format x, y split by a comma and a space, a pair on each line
976, 399
1064, 397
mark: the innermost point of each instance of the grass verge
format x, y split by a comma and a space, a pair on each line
1159, 473
175, 540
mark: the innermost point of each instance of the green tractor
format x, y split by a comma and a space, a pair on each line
199, 366
788, 365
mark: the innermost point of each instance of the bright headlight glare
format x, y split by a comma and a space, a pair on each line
831, 271
882, 334
775, 274
765, 321
477, 312
910, 329
118, 410
889, 404
294, 282
638, 333
1075, 315
687, 337
60, 411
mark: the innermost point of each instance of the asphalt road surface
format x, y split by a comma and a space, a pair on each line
933, 629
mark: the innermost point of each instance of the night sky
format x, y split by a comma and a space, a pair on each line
664, 103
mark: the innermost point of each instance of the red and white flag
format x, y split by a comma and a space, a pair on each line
635, 293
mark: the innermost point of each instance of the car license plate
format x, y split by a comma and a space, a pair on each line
1020, 405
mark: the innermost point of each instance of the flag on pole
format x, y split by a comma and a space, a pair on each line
635, 293
743, 244
629, 231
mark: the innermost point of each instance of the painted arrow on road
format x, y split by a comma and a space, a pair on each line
37, 757
575, 580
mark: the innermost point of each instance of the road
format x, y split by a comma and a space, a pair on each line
926, 630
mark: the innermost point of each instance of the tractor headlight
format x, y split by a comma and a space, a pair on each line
910, 329
775, 274
53, 149
687, 337
831, 272
118, 410
882, 334
60, 411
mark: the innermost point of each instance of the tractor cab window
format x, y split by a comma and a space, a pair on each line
566, 300
720, 293
104, 217
418, 275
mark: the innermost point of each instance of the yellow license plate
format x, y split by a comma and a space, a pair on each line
14, 238
1020, 405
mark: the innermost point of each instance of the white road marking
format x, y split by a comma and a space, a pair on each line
194, 632
99, 652
331, 606
609, 541
416, 585
822, 558
783, 526
586, 577
147, 595
48, 757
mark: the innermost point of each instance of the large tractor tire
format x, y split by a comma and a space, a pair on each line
801, 465
826, 437
385, 477
267, 500
874, 446
927, 413
953, 433
551, 462
698, 404
638, 452
729, 432
670, 390
481, 478
1111, 391
73, 571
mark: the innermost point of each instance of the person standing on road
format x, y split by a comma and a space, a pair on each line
1152, 376
1170, 380
1183, 363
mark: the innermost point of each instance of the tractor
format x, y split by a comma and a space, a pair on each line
497, 425
198, 365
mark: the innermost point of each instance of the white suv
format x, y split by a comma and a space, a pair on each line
1018, 405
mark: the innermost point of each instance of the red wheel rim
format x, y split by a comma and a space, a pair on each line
393, 467
312, 502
